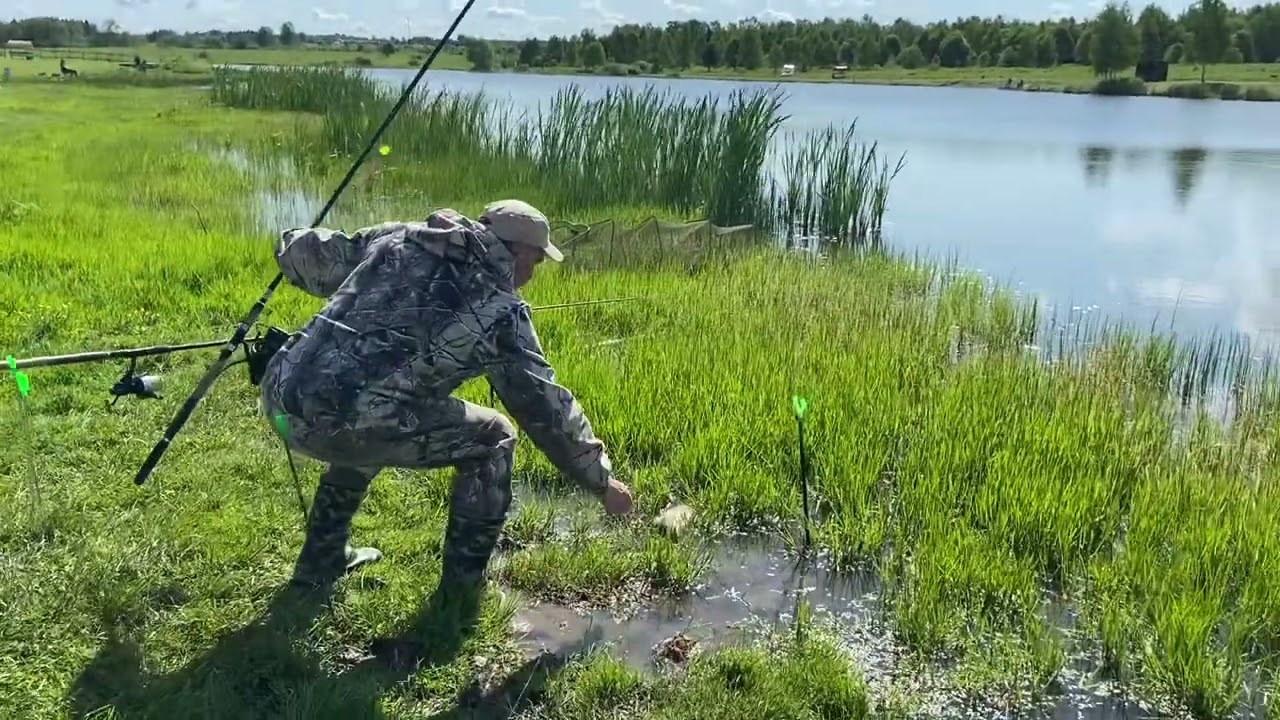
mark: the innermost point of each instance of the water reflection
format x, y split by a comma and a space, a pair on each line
1187, 164
1097, 164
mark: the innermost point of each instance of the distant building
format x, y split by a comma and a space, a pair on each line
19, 48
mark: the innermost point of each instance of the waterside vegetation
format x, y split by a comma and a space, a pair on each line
989, 491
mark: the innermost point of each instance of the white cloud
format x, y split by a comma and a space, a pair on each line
325, 16
683, 8
500, 11
771, 15
608, 16
1059, 10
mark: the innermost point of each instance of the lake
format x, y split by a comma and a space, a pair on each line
1146, 210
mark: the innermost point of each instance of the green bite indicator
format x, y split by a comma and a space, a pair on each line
19, 378
800, 405
281, 423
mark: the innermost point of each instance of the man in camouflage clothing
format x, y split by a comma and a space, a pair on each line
414, 310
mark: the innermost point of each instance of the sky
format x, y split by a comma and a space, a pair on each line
513, 19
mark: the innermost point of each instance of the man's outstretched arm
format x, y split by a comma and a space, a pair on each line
525, 382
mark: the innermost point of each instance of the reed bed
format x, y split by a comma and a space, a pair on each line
705, 157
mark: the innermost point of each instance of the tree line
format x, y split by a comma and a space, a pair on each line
1206, 32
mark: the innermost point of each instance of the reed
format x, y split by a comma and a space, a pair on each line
687, 158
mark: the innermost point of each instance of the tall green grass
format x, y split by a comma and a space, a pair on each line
689, 158
978, 480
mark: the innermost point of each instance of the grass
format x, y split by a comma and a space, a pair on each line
975, 479
1229, 81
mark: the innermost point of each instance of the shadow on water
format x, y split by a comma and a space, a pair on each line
266, 669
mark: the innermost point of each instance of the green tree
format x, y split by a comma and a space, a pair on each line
1114, 46
530, 52
288, 36
1242, 40
1082, 47
954, 51
480, 53
710, 56
1064, 46
1211, 33
266, 37
553, 53
911, 57
1174, 54
1155, 32
776, 58
1046, 53
593, 54
869, 52
752, 56
733, 52
892, 46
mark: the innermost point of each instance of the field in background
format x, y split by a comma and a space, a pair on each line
1262, 78
978, 483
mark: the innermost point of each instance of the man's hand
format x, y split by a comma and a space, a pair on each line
617, 498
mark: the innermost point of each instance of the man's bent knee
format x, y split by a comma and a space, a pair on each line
495, 431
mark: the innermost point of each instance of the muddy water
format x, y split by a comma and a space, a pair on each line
752, 590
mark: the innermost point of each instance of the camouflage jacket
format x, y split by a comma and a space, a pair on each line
414, 310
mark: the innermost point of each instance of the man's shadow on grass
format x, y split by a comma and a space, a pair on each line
264, 670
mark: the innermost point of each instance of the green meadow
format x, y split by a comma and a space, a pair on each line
992, 476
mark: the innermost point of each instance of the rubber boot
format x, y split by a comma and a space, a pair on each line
326, 554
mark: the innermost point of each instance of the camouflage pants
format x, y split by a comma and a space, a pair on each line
477, 441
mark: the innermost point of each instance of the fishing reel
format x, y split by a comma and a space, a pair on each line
142, 386
257, 353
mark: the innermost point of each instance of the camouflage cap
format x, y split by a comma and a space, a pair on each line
516, 221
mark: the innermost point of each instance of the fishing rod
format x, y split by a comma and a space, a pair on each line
224, 355
258, 351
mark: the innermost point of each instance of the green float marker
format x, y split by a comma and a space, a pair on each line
24, 389
800, 405
281, 422
385, 150
19, 378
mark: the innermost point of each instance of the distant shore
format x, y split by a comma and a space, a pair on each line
1241, 81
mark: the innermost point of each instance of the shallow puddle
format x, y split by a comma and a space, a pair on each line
751, 589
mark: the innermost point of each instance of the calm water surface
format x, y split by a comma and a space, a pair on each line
1146, 210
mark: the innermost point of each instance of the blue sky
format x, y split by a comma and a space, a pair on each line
518, 18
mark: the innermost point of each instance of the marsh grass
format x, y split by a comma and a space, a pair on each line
970, 473
686, 158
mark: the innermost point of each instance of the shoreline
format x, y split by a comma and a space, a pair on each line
1255, 82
